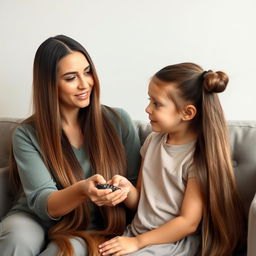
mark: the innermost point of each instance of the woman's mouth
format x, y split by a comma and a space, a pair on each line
82, 96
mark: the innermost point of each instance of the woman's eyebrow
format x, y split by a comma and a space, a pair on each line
74, 72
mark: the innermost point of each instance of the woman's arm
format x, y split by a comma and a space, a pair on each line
63, 201
174, 230
42, 195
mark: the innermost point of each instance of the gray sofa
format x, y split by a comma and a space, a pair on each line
243, 144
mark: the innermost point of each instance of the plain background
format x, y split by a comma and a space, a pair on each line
129, 41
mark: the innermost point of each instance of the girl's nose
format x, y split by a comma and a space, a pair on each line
148, 109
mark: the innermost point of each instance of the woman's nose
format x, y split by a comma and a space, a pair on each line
83, 83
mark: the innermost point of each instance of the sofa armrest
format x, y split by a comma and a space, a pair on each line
251, 243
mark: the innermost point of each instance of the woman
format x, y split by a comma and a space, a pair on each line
69, 145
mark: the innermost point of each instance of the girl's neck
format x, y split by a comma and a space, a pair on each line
181, 137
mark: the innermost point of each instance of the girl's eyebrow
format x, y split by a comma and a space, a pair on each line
74, 72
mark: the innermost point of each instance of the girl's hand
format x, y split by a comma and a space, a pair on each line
121, 182
101, 196
124, 184
119, 245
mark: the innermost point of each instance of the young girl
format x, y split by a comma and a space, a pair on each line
187, 176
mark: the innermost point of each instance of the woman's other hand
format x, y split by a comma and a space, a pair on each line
103, 196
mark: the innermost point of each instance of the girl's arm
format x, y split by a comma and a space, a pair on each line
132, 193
133, 197
174, 230
186, 223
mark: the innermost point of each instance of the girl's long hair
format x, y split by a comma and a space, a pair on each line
105, 150
223, 218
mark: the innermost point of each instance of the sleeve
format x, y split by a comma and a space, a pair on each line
36, 180
188, 170
131, 142
145, 145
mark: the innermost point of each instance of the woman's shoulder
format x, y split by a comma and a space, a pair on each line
116, 114
25, 131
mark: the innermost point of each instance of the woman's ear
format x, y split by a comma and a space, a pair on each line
188, 113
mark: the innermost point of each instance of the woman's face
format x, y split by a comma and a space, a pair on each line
74, 81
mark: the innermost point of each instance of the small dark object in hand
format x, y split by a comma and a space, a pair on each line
105, 186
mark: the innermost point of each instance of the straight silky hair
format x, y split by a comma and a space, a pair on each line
223, 217
105, 150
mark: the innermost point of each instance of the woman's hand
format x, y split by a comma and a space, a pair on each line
119, 245
102, 196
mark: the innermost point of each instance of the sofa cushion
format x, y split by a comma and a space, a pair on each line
252, 229
7, 125
6, 196
243, 146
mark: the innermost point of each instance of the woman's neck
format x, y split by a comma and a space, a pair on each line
72, 129
69, 117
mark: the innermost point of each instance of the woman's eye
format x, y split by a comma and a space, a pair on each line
70, 78
88, 72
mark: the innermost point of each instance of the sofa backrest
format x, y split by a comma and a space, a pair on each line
242, 141
7, 126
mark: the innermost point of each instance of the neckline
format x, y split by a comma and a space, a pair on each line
179, 146
78, 149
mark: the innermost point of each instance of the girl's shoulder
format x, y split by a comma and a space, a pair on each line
153, 139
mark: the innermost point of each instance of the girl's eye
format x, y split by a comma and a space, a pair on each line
157, 104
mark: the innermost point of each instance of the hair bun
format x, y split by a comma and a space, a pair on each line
215, 81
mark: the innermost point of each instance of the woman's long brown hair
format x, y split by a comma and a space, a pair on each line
223, 219
105, 150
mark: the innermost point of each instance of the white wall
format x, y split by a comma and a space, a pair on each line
129, 41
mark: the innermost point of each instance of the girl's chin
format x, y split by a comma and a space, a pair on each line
154, 127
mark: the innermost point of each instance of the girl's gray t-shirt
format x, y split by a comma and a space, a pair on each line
164, 176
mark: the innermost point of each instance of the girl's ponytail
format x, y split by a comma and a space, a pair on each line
223, 219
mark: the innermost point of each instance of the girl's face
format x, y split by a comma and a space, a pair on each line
74, 81
163, 114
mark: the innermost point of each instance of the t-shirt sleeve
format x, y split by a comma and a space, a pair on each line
188, 170
131, 142
145, 145
36, 180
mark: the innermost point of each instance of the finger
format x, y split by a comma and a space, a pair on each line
113, 196
120, 200
102, 193
116, 180
99, 179
111, 250
110, 241
118, 196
